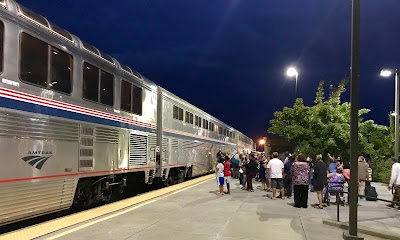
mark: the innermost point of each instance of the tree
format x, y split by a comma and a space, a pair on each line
325, 127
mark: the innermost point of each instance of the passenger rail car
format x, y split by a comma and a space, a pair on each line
77, 127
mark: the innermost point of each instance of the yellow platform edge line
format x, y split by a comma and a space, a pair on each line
92, 222
45, 228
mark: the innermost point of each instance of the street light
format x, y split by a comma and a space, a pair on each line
388, 73
292, 72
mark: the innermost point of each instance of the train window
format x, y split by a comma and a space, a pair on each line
205, 124
220, 130
126, 96
34, 60
181, 114
90, 82
106, 88
106, 57
175, 112
211, 126
189, 117
231, 134
33, 16
131, 98
61, 31
216, 128
137, 100
198, 121
90, 48
178, 113
60, 71
1, 45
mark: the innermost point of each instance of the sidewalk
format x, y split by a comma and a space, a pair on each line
198, 213
374, 215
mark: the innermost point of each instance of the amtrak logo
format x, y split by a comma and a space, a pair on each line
36, 160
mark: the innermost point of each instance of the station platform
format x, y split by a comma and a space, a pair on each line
193, 210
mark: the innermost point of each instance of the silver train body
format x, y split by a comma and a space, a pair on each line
58, 149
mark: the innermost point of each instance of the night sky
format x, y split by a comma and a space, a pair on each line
229, 57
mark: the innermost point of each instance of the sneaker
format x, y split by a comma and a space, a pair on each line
241, 186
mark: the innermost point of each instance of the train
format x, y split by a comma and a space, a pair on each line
77, 127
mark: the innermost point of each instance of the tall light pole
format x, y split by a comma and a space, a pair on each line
354, 101
388, 73
292, 72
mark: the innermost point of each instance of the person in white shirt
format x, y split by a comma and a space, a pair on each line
275, 167
394, 183
220, 176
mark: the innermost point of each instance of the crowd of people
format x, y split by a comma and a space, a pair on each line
293, 174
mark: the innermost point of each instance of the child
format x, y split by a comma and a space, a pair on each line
220, 176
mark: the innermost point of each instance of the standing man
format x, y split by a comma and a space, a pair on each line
362, 175
394, 183
276, 168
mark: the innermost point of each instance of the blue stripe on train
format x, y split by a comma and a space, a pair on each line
35, 108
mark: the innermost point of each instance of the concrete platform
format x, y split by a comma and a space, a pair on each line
198, 213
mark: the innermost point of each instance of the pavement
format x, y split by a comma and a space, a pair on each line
198, 213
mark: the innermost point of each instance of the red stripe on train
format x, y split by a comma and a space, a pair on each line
70, 107
81, 173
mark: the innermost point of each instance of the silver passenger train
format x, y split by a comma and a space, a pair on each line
77, 127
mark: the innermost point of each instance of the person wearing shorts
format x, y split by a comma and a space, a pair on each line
220, 176
276, 168
227, 173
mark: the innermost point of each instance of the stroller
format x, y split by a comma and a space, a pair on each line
335, 187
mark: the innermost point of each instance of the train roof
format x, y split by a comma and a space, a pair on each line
43, 23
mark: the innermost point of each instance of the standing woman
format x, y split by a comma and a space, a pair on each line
251, 170
301, 180
319, 179
261, 172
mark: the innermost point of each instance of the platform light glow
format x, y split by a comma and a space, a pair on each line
262, 142
386, 73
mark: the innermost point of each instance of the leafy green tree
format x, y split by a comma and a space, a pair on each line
325, 127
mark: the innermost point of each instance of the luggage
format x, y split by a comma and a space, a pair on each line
370, 193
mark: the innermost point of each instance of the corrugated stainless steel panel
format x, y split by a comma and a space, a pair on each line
174, 143
13, 124
86, 148
165, 149
191, 144
152, 141
106, 135
151, 146
137, 150
31, 198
